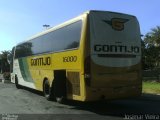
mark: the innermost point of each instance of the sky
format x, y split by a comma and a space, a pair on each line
20, 19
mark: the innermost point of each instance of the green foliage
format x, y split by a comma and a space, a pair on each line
4, 65
153, 38
151, 49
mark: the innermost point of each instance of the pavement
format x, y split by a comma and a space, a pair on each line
28, 102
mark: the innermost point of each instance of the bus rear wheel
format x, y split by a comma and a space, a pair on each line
46, 89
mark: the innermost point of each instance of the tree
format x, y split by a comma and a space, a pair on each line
4, 65
151, 50
153, 38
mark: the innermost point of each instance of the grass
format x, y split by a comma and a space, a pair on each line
151, 87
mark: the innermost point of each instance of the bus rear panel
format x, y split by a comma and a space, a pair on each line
115, 56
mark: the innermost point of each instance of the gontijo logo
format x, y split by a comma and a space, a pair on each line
116, 23
116, 49
41, 61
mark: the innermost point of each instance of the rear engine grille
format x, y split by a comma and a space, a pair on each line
73, 83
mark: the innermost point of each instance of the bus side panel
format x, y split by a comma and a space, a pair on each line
71, 62
40, 68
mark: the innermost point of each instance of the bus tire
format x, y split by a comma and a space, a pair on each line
46, 90
16, 83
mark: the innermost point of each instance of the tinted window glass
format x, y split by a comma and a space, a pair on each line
23, 50
64, 38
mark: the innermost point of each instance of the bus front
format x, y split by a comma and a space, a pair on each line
113, 58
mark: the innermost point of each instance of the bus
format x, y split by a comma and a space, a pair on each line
95, 56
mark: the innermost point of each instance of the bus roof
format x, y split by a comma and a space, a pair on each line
67, 23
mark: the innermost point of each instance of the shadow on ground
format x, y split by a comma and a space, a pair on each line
147, 104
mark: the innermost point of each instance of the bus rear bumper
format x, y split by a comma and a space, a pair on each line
95, 94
